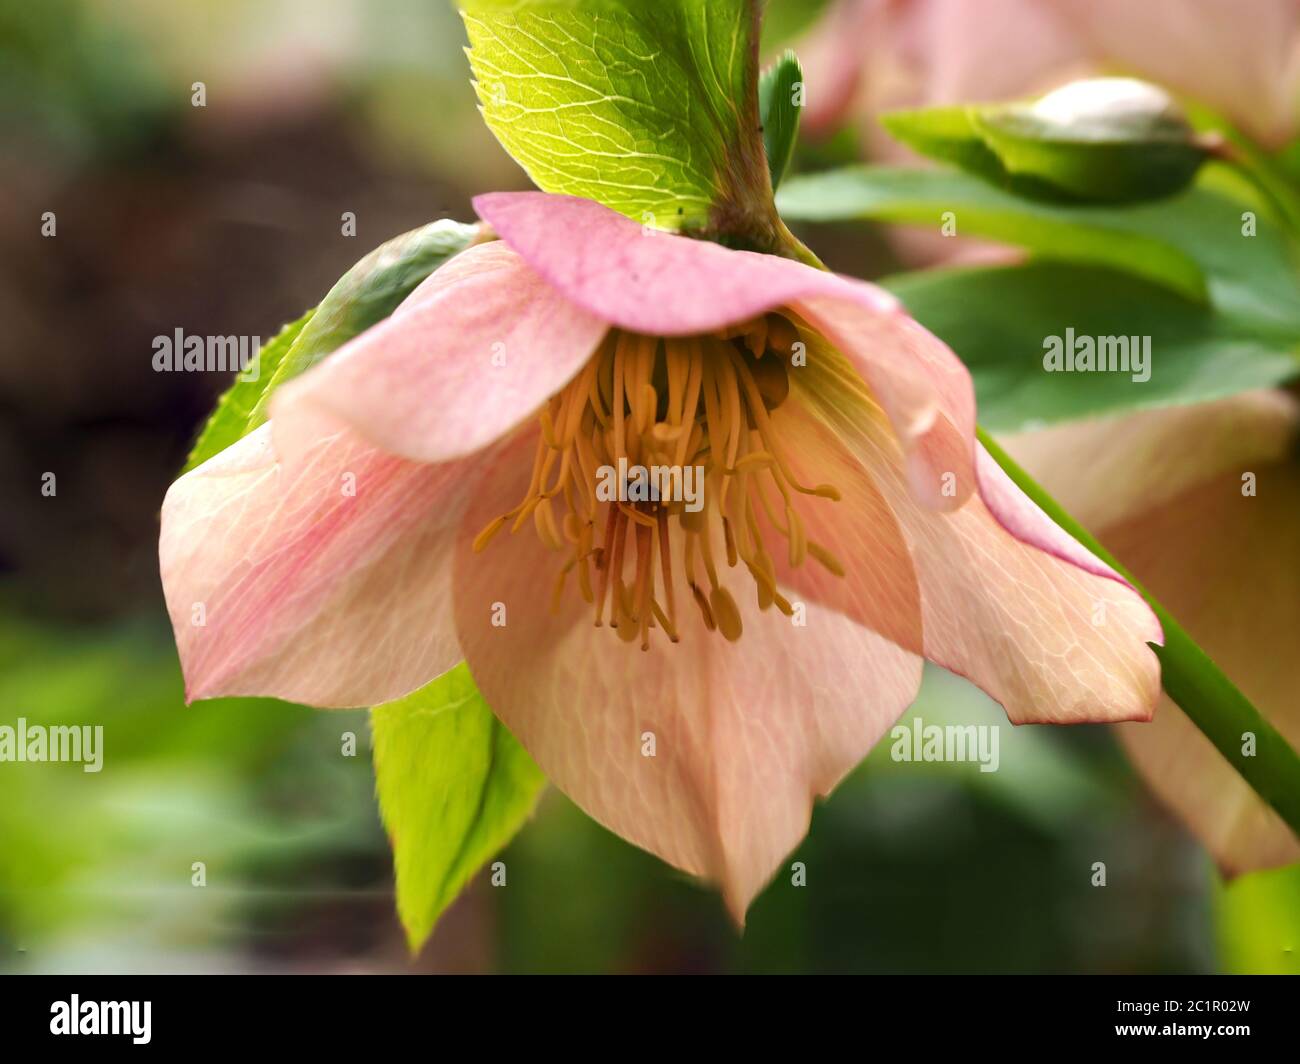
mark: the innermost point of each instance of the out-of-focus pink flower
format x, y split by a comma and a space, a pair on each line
850, 526
868, 56
1202, 503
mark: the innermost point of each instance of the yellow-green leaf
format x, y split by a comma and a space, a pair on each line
649, 108
454, 786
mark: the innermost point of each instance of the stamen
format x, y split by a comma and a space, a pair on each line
672, 409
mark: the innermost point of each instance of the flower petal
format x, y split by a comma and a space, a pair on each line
881, 55
834, 51
1052, 636
326, 581
1227, 567
879, 587
1163, 489
1245, 64
745, 735
471, 353
1105, 469
661, 284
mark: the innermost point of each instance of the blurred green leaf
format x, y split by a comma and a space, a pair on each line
651, 109
240, 784
1192, 243
948, 134
780, 101
454, 787
1259, 923
363, 296
998, 319
1102, 140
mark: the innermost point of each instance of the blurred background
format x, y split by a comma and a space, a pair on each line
226, 219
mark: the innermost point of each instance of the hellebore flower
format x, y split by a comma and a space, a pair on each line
875, 55
360, 544
1202, 504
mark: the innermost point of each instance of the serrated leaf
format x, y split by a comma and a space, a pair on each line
366, 294
649, 108
998, 320
1191, 243
780, 102
454, 787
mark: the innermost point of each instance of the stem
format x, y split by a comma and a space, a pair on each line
792, 247
1211, 701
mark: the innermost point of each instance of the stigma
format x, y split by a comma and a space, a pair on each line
661, 455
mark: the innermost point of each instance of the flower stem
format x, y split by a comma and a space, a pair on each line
1211, 701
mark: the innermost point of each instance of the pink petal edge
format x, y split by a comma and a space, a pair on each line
661, 284
468, 356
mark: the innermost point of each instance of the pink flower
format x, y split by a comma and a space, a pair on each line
875, 55
1202, 504
359, 544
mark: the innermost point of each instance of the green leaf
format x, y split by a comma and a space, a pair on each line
232, 418
366, 294
780, 101
948, 134
454, 787
1192, 243
651, 109
1103, 140
1259, 922
998, 320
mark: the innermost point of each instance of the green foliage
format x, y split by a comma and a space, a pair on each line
454, 786
363, 296
780, 96
999, 318
1192, 243
651, 109
247, 786
1107, 140
1222, 308
1259, 922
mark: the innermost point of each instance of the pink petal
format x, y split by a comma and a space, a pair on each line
879, 589
470, 354
993, 50
1228, 568
305, 590
652, 282
833, 55
746, 734
1136, 460
884, 55
1163, 489
1240, 60
1051, 635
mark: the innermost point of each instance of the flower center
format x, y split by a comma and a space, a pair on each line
658, 445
